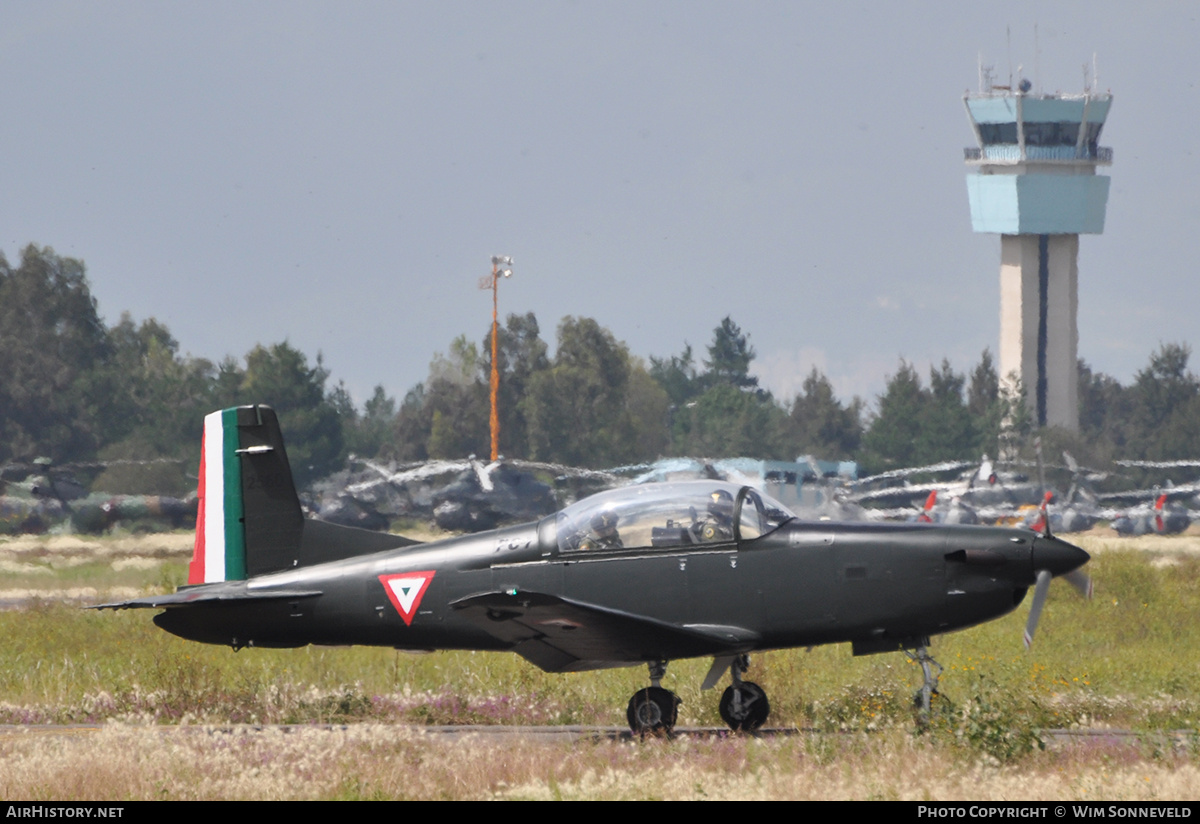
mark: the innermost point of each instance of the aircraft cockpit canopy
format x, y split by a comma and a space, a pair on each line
668, 515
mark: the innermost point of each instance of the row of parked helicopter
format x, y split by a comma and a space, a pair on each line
481, 496
41, 497
984, 493
472, 496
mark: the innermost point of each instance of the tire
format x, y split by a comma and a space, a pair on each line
744, 708
652, 711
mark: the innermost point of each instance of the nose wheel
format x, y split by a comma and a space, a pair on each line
744, 708
744, 705
653, 710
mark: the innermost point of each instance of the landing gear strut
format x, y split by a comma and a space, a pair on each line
923, 700
744, 706
653, 710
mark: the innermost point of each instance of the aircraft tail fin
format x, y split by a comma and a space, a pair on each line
1042, 524
1159, 524
930, 503
249, 521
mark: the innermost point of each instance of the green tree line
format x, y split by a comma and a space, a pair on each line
75, 389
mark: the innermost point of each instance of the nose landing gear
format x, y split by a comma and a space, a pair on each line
927, 699
744, 705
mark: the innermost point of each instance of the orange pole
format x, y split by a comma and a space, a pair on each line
495, 417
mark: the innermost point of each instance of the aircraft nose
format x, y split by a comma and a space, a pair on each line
1057, 556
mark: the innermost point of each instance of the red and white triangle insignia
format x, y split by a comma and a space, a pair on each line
404, 590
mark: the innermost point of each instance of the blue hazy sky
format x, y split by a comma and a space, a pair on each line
340, 174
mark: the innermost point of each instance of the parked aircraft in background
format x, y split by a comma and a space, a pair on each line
979, 493
953, 511
1160, 518
39, 497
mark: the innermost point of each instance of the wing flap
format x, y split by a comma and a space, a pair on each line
561, 635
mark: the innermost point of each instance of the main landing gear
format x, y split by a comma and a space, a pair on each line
743, 706
653, 710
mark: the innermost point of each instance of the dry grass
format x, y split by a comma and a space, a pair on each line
1125, 659
70, 568
157, 544
1103, 539
122, 763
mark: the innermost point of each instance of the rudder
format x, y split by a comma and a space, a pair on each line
249, 520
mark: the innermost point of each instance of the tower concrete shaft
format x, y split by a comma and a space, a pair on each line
1039, 303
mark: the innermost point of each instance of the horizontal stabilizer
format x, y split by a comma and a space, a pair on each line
321, 541
207, 594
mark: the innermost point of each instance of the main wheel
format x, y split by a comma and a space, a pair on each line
652, 711
744, 708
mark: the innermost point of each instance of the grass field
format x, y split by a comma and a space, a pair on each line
1127, 659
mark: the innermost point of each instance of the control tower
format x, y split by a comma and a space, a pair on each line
1033, 181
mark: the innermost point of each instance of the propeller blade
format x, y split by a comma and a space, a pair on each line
1039, 601
1081, 581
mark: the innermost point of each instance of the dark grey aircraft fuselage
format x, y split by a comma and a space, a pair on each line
881, 586
646, 573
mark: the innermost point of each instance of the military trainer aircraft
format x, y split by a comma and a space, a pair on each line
639, 575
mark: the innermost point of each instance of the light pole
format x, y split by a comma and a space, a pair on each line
493, 281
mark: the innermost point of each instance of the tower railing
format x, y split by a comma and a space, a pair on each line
1011, 153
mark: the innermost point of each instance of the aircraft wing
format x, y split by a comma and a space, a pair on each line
561, 635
